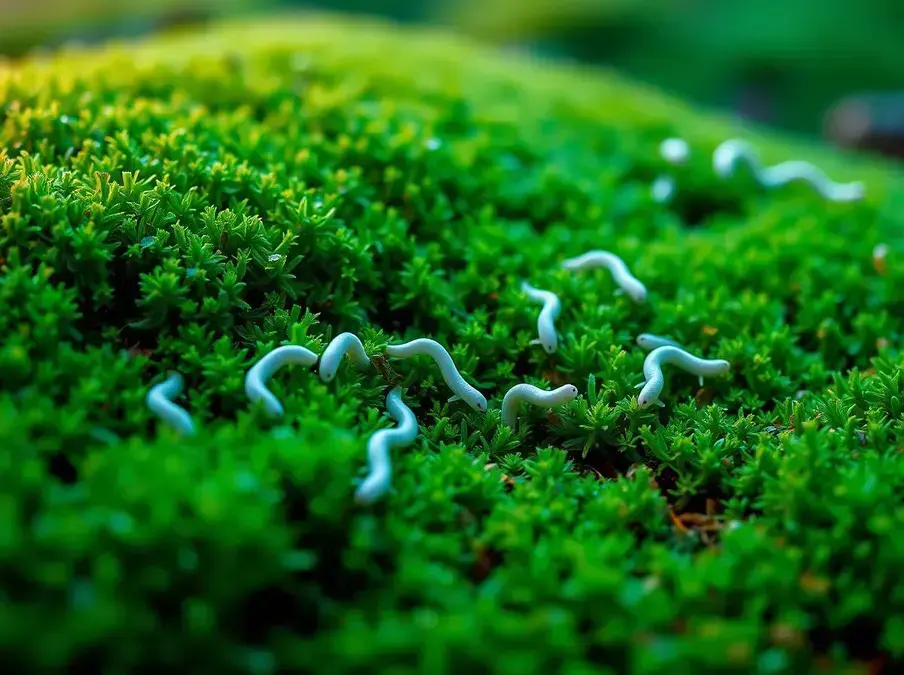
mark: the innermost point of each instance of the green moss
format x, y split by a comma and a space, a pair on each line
193, 202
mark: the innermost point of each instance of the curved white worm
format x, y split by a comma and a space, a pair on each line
675, 150
732, 151
336, 349
652, 371
263, 370
526, 393
451, 376
159, 400
546, 321
376, 484
663, 189
620, 272
649, 342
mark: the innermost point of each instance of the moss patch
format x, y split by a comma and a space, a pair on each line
193, 202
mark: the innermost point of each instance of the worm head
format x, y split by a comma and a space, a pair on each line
854, 192
549, 346
648, 396
176, 382
548, 340
723, 161
636, 290
477, 401
572, 390
724, 366
327, 373
645, 341
727, 154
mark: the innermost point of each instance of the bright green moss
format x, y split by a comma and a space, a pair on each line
191, 203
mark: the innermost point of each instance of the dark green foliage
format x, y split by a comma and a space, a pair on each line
192, 203
785, 61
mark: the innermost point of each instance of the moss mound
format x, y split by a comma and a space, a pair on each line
191, 203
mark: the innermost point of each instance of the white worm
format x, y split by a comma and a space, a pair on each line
535, 396
376, 484
675, 150
159, 400
729, 153
663, 189
263, 370
336, 349
620, 272
652, 371
451, 376
649, 342
546, 321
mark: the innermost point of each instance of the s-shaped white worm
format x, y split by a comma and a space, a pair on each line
531, 394
451, 376
620, 272
652, 371
546, 321
263, 370
732, 151
336, 349
649, 342
159, 400
378, 446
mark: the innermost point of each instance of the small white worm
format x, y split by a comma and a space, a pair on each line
263, 370
652, 371
530, 394
663, 189
451, 376
620, 272
159, 400
336, 349
649, 342
675, 150
376, 484
732, 151
546, 321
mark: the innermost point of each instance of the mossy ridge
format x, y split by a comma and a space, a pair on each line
193, 202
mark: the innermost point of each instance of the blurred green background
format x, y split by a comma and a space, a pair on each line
832, 68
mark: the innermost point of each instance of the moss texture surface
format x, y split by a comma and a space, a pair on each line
193, 202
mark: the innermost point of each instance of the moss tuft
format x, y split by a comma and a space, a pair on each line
190, 203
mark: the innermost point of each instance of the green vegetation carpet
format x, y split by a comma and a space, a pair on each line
191, 203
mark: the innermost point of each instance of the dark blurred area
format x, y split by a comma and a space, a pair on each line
830, 68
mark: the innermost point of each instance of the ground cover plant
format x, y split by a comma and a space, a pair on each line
191, 203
